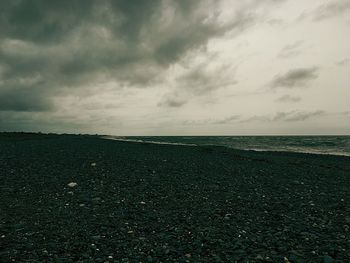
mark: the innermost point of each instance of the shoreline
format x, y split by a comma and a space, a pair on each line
114, 138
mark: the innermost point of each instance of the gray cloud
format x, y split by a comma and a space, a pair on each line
343, 62
289, 116
290, 50
211, 121
228, 120
203, 78
172, 100
297, 115
347, 113
294, 78
198, 81
331, 9
257, 118
288, 99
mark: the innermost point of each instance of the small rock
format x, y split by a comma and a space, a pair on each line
72, 184
93, 164
296, 253
96, 199
296, 259
227, 216
327, 259
142, 203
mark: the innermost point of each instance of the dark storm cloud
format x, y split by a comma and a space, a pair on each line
24, 93
42, 21
38, 121
288, 99
295, 78
23, 100
71, 44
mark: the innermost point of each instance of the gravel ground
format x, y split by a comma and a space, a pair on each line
86, 199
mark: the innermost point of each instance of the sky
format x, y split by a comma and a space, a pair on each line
175, 67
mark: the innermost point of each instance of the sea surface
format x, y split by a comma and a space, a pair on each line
334, 145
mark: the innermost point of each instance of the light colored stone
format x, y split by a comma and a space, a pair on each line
72, 184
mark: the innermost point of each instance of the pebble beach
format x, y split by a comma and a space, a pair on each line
76, 198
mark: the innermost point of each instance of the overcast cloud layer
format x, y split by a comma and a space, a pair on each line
177, 67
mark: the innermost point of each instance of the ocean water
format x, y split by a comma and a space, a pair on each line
334, 145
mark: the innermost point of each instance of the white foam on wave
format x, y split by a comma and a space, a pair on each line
308, 151
142, 141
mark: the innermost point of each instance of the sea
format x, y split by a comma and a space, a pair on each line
333, 145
